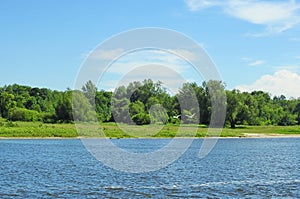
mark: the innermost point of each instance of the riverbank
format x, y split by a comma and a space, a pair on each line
40, 130
79, 137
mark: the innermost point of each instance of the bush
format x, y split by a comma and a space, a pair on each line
23, 114
172, 120
11, 124
287, 120
141, 119
48, 118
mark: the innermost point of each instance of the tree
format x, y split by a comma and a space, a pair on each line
32, 104
89, 90
188, 103
233, 106
82, 109
120, 110
264, 106
145, 90
63, 108
21, 94
136, 108
249, 113
23, 114
6, 102
297, 111
141, 118
215, 92
158, 114
148, 102
103, 106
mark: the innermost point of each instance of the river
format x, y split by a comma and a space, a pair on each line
235, 168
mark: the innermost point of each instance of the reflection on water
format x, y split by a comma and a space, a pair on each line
235, 168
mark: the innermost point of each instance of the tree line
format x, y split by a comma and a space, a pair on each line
146, 102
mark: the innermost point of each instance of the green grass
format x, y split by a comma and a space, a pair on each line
36, 129
112, 130
262, 130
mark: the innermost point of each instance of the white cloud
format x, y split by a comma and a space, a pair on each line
105, 54
252, 62
276, 16
246, 59
140, 58
257, 63
188, 55
168, 55
122, 68
163, 65
195, 5
281, 82
297, 57
171, 79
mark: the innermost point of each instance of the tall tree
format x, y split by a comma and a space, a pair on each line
6, 102
103, 105
63, 108
89, 90
215, 92
297, 111
232, 107
189, 105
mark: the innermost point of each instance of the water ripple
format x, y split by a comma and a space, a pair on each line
236, 168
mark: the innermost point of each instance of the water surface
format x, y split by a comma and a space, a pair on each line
236, 168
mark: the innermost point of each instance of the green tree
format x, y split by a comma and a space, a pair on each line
31, 104
216, 101
158, 114
188, 103
144, 91
6, 102
141, 118
82, 109
23, 114
89, 90
250, 111
264, 107
21, 94
63, 108
297, 111
103, 106
232, 107
136, 107
120, 110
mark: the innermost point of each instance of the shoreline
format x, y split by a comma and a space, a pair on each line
249, 135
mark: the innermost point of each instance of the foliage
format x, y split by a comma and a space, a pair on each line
82, 109
23, 114
6, 103
63, 108
103, 106
141, 118
148, 102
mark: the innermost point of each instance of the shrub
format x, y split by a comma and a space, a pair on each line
141, 119
48, 118
23, 114
11, 124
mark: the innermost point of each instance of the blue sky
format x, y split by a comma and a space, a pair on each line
254, 44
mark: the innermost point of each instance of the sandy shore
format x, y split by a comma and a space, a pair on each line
258, 135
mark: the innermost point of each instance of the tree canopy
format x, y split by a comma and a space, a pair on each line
147, 102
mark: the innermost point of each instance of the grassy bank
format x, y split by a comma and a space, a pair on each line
38, 129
